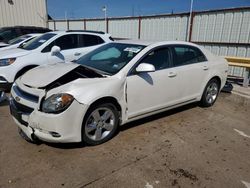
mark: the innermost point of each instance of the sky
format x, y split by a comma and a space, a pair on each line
75, 9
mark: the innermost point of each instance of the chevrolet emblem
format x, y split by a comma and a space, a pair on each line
17, 99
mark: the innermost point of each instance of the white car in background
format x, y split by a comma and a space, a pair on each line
19, 41
51, 47
113, 85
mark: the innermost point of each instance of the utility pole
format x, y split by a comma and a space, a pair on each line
104, 9
65, 15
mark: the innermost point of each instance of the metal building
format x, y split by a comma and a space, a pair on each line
23, 12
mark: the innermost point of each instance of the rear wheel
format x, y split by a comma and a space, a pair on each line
100, 124
210, 93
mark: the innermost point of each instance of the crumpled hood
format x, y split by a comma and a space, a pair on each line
88, 90
13, 53
44, 75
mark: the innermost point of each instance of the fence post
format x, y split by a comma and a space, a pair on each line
246, 78
54, 25
84, 24
107, 25
139, 28
191, 27
67, 24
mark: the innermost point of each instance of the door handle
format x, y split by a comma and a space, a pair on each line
77, 54
172, 74
205, 67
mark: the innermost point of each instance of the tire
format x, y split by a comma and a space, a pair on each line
210, 93
100, 124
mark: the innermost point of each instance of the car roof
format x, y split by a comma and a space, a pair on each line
33, 34
136, 42
154, 42
99, 33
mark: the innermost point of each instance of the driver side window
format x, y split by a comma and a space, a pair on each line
160, 58
65, 42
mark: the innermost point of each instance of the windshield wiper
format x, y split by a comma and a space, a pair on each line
102, 73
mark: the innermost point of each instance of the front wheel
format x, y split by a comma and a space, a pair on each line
210, 93
100, 124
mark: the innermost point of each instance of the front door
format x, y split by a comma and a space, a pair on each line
151, 91
70, 50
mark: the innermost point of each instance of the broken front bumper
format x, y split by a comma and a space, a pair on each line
58, 128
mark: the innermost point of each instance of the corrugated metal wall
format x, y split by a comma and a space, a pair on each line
96, 25
23, 12
61, 25
164, 28
224, 32
227, 26
74, 25
124, 28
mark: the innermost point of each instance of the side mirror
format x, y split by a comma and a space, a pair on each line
55, 50
22, 44
145, 67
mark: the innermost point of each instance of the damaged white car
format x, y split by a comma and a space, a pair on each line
112, 85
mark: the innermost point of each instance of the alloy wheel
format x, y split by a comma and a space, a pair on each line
100, 124
212, 92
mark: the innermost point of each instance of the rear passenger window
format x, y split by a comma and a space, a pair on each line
184, 55
90, 40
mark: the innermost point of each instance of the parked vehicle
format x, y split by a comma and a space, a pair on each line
9, 33
19, 41
2, 96
52, 47
113, 85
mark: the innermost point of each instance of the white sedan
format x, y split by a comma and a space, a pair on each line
113, 85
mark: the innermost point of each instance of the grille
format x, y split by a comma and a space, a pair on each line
22, 108
25, 95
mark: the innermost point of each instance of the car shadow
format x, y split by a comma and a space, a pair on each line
64, 145
127, 126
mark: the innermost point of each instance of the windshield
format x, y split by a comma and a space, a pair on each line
35, 43
110, 58
19, 39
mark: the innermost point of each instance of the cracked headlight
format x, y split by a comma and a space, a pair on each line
6, 62
57, 103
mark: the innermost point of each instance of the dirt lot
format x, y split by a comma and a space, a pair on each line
186, 147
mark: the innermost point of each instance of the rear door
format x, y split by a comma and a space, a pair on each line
191, 67
88, 43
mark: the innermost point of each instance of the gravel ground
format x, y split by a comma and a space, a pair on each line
185, 147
